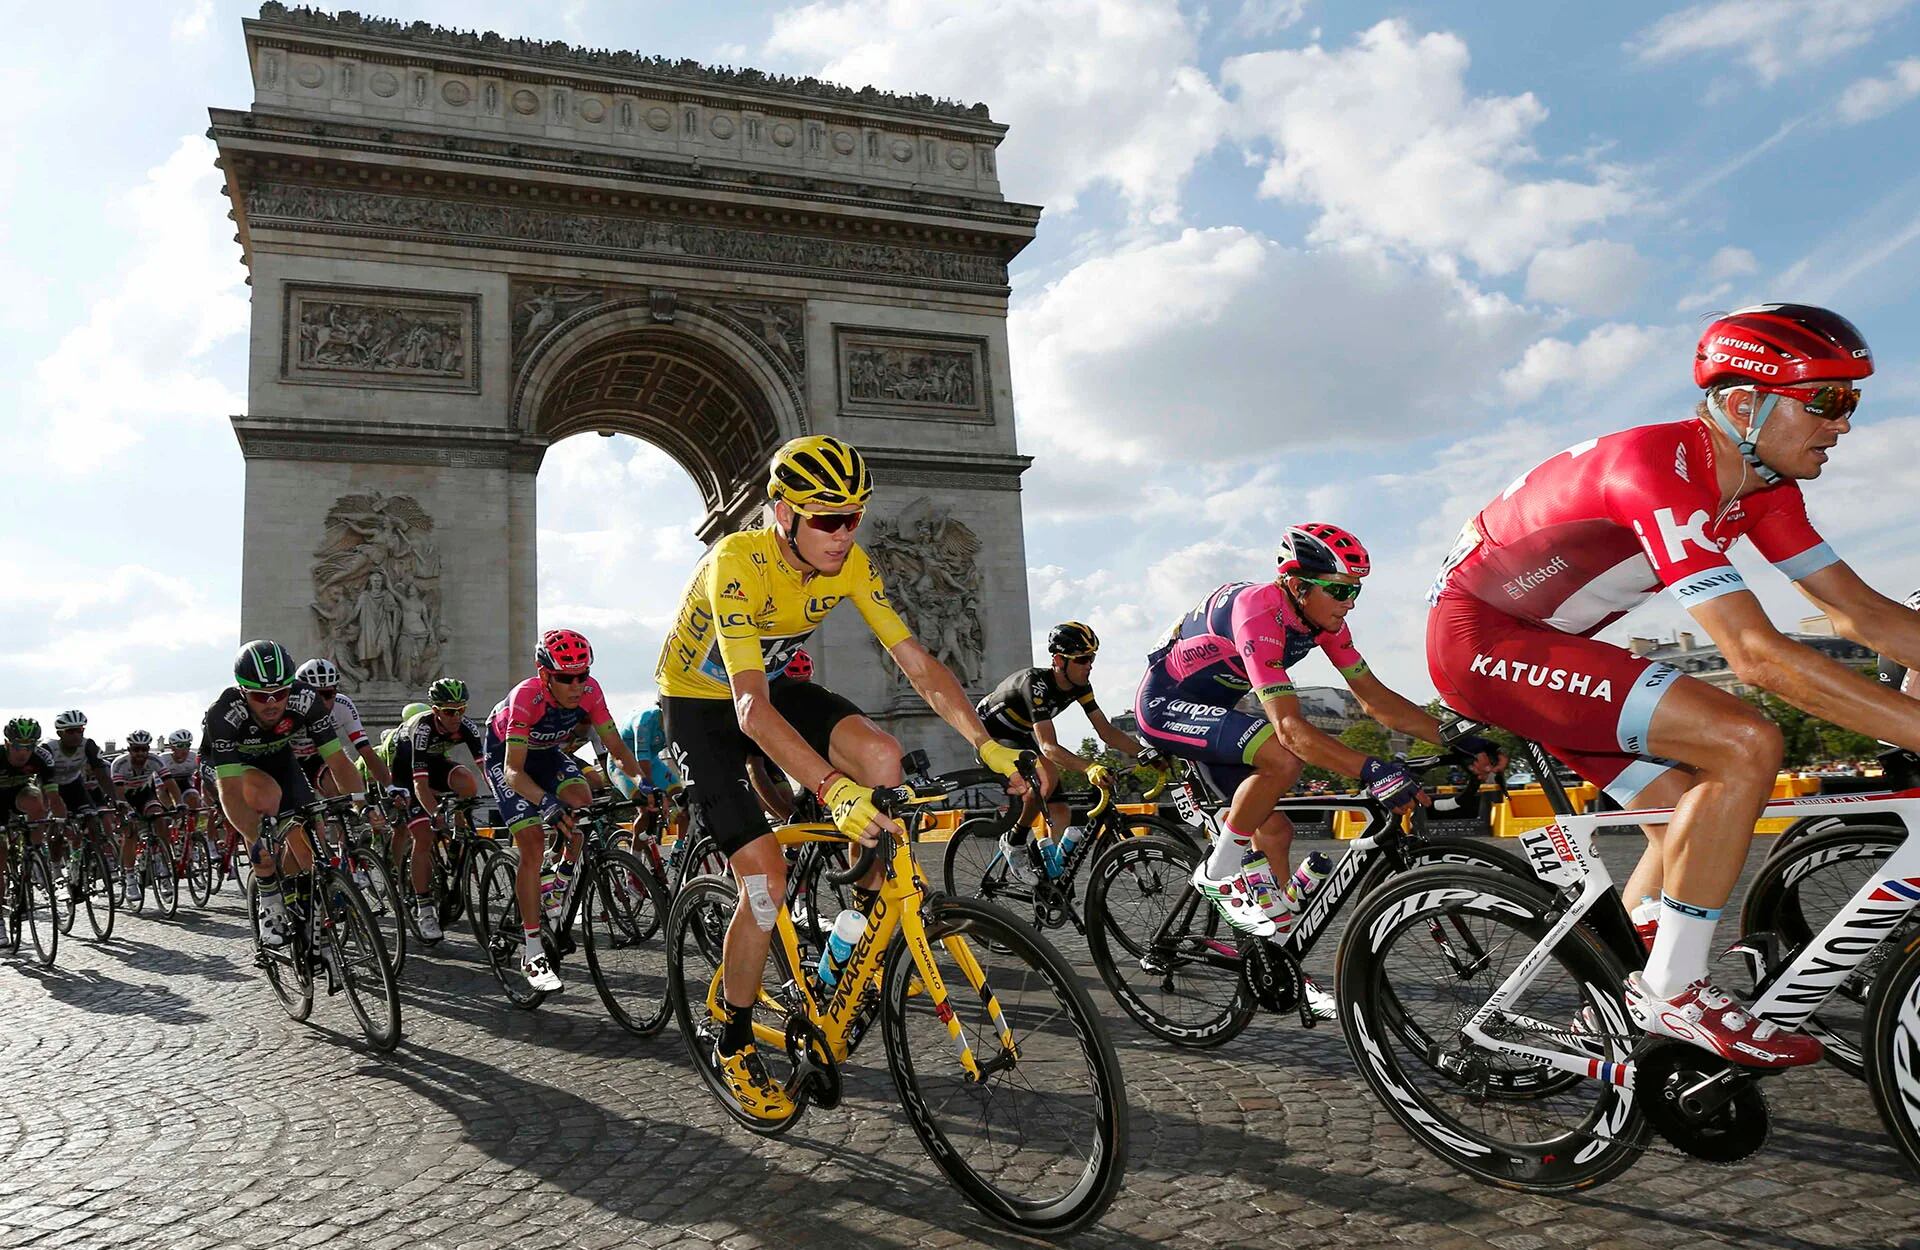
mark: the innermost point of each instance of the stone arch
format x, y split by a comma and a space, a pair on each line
715, 400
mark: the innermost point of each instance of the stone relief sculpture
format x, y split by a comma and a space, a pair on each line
545, 306
781, 326
371, 338
916, 375
376, 591
930, 564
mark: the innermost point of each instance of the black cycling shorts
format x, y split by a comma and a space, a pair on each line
284, 767
711, 750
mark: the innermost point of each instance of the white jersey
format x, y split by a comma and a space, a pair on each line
149, 773
72, 766
182, 771
346, 722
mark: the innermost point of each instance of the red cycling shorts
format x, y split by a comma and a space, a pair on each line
1589, 703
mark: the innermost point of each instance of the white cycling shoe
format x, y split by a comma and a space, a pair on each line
426, 918
1231, 896
1320, 1004
538, 970
1020, 869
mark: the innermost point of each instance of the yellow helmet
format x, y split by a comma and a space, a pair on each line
819, 470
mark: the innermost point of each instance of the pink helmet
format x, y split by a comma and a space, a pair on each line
563, 651
799, 666
1316, 548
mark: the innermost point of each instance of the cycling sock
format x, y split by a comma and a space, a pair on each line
1229, 851
737, 1030
1682, 948
533, 941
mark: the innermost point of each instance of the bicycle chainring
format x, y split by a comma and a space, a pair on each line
1270, 974
1726, 1133
816, 1076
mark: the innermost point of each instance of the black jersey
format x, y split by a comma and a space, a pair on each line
38, 770
424, 743
1026, 698
231, 734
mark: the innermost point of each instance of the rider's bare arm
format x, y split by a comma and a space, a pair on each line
1762, 656
345, 775
376, 766
1114, 736
1306, 740
1392, 709
936, 684
753, 707
1055, 754
1863, 614
623, 754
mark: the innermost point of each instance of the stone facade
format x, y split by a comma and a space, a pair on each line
465, 247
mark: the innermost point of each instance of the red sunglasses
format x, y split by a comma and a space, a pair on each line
1833, 401
831, 522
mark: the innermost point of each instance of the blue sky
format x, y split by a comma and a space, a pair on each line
1343, 262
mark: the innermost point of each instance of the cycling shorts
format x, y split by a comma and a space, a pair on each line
1589, 703
1221, 739
708, 741
281, 765
79, 796
550, 769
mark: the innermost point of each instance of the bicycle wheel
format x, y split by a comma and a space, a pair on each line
384, 904
1893, 1049
354, 945
702, 858
1165, 954
1039, 1139
42, 920
1798, 891
449, 902
975, 868
1421, 954
624, 913
505, 938
159, 870
696, 931
286, 972
473, 879
66, 887
1178, 830
814, 902
99, 897
199, 869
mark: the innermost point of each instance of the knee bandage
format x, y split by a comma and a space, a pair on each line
760, 902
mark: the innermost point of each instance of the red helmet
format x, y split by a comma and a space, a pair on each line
1779, 345
1316, 548
799, 667
563, 651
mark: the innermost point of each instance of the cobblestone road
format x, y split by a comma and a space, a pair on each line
157, 1097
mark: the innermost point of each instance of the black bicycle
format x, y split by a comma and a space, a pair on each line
618, 908
26, 891
1185, 975
153, 869
84, 872
333, 933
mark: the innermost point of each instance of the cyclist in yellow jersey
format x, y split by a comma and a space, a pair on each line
753, 601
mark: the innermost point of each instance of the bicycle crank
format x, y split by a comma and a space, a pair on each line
1271, 975
816, 1076
1711, 1109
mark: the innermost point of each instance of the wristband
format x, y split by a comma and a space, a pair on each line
820, 791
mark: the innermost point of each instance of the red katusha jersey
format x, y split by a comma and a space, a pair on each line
1593, 532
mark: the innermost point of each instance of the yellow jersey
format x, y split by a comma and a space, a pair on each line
747, 607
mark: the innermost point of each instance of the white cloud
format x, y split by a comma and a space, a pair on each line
1770, 37
1258, 19
1608, 354
191, 26
140, 360
1726, 265
1732, 262
1385, 140
1220, 346
1599, 277
1868, 98
1096, 93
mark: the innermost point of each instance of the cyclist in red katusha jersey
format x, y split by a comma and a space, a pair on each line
1582, 539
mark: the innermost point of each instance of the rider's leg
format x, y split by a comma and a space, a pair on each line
761, 871
1648, 875
1735, 754
1249, 820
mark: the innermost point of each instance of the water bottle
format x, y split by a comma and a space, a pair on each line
1307, 878
848, 927
1069, 840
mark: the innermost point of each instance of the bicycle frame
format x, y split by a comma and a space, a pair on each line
1562, 856
895, 913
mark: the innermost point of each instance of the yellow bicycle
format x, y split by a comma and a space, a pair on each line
1013, 1087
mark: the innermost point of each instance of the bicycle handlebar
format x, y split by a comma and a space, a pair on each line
890, 801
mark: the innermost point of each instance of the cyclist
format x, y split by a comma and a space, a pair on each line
645, 734
1245, 636
1594, 531
183, 766
756, 596
141, 782
420, 756
79, 770
324, 677
26, 786
535, 779
1019, 714
247, 736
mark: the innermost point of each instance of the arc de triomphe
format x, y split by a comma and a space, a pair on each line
465, 247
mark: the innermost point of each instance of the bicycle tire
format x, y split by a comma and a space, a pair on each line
813, 902
1198, 963
384, 904
504, 940
199, 869
626, 954
696, 930
974, 868
159, 870
1788, 900
703, 858
66, 889
98, 892
1178, 830
290, 983
965, 930
1599, 1143
1893, 1050
367, 976
42, 914
473, 879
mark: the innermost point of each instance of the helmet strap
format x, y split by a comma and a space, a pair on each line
792, 535
1746, 441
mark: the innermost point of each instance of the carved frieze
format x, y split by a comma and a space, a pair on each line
376, 593
380, 337
930, 564
676, 242
884, 373
778, 325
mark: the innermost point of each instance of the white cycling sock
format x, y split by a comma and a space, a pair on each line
1682, 947
1229, 851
